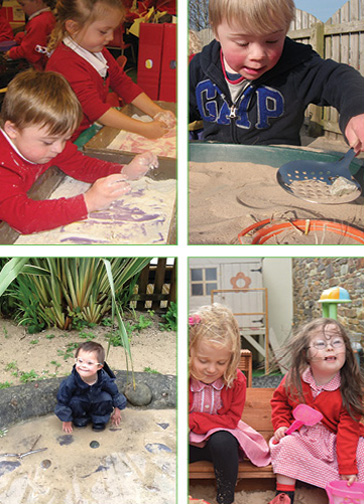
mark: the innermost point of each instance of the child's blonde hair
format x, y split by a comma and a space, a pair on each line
217, 325
82, 12
352, 382
256, 16
43, 99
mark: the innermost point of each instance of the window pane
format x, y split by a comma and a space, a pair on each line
210, 273
210, 287
196, 274
197, 289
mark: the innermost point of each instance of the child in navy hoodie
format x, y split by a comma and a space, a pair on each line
89, 394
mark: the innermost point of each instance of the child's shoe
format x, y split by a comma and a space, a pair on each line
98, 427
80, 422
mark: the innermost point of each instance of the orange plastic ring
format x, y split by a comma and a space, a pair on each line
264, 232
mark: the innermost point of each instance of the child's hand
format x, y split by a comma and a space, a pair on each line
350, 478
354, 133
116, 417
104, 191
140, 165
67, 427
167, 117
279, 434
154, 129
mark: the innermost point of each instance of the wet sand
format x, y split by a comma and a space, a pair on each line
131, 464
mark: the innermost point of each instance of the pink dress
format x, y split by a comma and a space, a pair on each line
309, 454
207, 399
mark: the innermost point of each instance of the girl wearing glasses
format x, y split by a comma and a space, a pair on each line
89, 393
325, 375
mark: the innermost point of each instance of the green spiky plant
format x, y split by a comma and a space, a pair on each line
57, 291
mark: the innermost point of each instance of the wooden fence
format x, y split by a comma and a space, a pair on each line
341, 38
156, 286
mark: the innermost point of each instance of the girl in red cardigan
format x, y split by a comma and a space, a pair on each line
326, 376
84, 28
217, 396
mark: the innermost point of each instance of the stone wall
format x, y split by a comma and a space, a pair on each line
313, 275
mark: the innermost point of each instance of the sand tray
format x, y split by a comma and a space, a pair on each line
228, 197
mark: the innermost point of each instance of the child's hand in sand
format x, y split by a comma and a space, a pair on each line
116, 417
67, 427
104, 191
140, 165
167, 117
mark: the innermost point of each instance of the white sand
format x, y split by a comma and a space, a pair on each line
142, 216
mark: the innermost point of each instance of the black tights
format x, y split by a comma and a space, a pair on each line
222, 450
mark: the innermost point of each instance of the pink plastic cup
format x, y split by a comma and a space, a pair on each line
340, 493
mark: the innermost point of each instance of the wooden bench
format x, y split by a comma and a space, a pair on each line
257, 414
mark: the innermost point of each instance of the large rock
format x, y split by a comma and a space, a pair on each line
39, 398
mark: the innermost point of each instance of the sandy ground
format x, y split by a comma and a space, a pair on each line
132, 464
304, 495
43, 354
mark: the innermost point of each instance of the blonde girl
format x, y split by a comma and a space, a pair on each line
217, 391
84, 28
325, 375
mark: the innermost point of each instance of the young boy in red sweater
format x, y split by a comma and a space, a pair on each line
32, 43
38, 116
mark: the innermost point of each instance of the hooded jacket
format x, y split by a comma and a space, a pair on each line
270, 109
74, 386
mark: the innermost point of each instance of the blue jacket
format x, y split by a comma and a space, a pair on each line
270, 109
73, 386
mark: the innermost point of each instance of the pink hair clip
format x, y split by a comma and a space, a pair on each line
193, 320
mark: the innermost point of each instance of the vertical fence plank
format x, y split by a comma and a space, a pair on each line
173, 289
142, 286
345, 37
354, 10
313, 112
159, 281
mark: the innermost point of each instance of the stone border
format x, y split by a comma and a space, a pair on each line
39, 398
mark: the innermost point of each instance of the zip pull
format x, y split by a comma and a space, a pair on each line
232, 112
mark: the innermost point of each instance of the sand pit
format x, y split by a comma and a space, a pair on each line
225, 198
133, 463
303, 495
